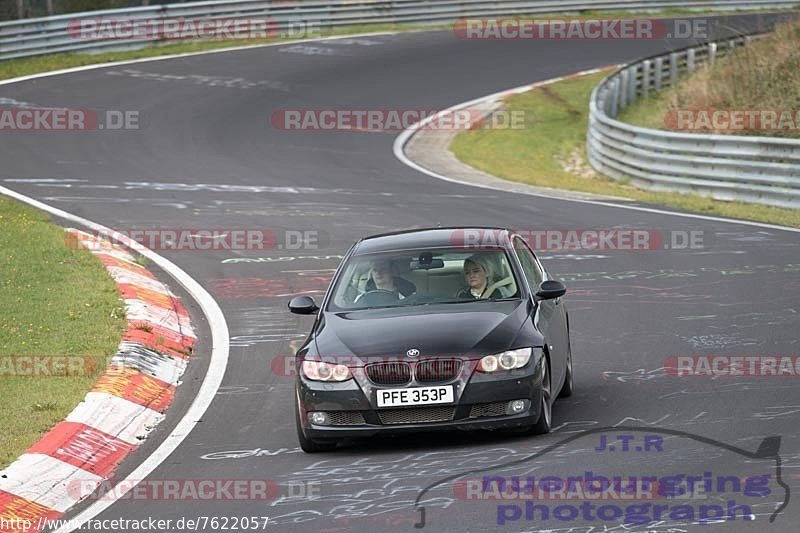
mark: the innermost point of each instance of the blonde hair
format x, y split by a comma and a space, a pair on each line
482, 262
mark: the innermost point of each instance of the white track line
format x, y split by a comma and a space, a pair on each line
191, 54
211, 381
216, 319
402, 139
219, 327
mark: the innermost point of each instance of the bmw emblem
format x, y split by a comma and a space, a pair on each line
413, 352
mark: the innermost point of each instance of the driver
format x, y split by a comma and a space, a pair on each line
477, 274
382, 278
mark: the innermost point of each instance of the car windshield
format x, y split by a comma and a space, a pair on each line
424, 277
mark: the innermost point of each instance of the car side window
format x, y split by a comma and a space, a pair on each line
530, 267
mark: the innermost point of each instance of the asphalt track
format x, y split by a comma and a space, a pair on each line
629, 311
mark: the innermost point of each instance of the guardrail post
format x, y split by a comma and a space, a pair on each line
20, 9
646, 78
163, 15
712, 52
690, 56
614, 100
623, 89
632, 83
673, 68
659, 72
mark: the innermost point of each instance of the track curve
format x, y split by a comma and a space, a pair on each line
206, 156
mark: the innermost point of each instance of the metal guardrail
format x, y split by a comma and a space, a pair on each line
764, 170
754, 169
30, 37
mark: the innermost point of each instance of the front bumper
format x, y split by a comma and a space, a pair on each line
479, 402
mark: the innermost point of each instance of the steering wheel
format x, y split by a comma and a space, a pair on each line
377, 297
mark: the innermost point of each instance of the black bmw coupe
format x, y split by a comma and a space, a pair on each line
432, 329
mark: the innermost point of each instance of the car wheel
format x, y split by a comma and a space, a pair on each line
568, 388
544, 423
310, 445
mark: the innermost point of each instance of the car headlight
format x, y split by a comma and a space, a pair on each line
322, 371
505, 361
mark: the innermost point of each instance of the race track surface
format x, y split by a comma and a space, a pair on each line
206, 156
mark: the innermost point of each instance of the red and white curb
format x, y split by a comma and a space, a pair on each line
124, 405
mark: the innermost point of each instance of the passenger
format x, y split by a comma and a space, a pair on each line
478, 275
382, 278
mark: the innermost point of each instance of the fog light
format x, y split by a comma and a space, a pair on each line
318, 418
516, 406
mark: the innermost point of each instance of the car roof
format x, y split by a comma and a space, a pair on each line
421, 238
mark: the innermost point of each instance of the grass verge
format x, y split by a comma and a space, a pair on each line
56, 300
550, 152
33, 65
762, 76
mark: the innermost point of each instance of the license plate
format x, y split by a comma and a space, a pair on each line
415, 396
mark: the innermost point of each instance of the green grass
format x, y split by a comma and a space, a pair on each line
764, 75
33, 65
550, 149
56, 300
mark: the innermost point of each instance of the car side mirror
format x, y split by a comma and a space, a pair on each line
551, 289
303, 305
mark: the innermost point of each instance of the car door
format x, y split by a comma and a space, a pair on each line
548, 315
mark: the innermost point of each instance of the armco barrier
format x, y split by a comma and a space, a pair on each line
30, 37
763, 170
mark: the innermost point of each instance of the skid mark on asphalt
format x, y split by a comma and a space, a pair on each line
371, 486
206, 81
282, 259
235, 390
265, 208
168, 186
225, 208
736, 387
103, 200
357, 41
573, 257
737, 270
637, 375
720, 341
778, 411
259, 325
254, 288
312, 50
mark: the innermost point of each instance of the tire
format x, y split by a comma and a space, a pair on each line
568, 388
544, 424
310, 445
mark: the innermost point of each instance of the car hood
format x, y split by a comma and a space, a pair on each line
457, 329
